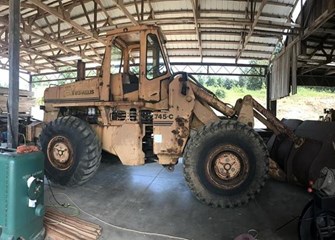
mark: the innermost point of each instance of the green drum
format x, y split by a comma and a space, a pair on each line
21, 196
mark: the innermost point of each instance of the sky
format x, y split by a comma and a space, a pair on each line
24, 79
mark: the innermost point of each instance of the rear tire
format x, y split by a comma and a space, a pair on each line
225, 164
306, 227
72, 151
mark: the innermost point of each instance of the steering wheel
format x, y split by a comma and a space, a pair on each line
156, 68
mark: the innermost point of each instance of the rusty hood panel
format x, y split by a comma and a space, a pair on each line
83, 90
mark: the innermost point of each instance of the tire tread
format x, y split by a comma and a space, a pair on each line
90, 158
190, 175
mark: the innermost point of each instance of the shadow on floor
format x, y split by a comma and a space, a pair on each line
150, 199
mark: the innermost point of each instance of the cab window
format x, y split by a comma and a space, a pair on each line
116, 60
134, 61
155, 65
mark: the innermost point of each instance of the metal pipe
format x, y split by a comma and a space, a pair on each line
275, 124
14, 61
212, 100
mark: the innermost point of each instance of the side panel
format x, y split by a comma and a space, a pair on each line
172, 128
82, 91
87, 90
124, 140
116, 87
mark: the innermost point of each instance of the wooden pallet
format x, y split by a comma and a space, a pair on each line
60, 226
26, 101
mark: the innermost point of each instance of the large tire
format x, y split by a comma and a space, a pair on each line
225, 163
72, 151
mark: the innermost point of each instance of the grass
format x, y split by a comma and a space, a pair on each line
307, 104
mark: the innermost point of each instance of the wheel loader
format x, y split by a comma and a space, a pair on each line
138, 110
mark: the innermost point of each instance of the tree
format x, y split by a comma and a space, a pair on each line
252, 82
228, 83
201, 80
242, 81
220, 93
211, 82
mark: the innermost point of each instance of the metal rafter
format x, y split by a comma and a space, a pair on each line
152, 13
30, 32
247, 38
218, 42
240, 21
186, 12
48, 58
87, 16
120, 5
104, 10
64, 16
52, 39
196, 15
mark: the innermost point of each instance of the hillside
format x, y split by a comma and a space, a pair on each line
308, 104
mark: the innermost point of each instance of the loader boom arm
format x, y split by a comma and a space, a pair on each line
257, 110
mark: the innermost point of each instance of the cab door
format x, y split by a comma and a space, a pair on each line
154, 67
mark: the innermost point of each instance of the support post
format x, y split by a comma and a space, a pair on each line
81, 69
270, 105
14, 61
30, 82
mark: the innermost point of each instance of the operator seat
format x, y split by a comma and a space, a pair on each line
131, 83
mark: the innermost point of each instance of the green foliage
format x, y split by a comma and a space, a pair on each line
252, 82
220, 93
211, 82
241, 82
220, 82
229, 83
201, 80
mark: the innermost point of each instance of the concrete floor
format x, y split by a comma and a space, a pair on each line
150, 199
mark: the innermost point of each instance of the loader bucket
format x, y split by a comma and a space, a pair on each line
305, 162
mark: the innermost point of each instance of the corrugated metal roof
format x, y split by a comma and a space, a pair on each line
227, 29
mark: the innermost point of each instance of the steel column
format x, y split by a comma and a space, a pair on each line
14, 68
81, 70
270, 105
30, 82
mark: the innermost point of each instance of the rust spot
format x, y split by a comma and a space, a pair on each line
184, 132
172, 150
181, 121
181, 132
175, 131
180, 142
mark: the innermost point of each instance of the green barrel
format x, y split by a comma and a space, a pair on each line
21, 196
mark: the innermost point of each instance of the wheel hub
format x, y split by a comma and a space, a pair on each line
60, 152
227, 166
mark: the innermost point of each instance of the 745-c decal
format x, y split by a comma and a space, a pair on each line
163, 116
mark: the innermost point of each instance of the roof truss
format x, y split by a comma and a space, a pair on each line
56, 33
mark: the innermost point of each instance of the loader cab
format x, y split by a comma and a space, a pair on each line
136, 64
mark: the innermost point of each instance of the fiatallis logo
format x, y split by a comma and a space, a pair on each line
73, 92
82, 92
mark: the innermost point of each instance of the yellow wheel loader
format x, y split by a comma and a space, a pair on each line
137, 109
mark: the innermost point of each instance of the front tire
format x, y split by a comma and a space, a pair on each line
72, 151
225, 163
